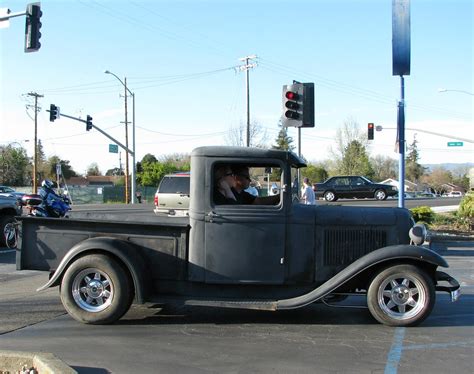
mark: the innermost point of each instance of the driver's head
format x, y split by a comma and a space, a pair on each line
242, 177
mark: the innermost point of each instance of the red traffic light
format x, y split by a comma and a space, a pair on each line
291, 95
370, 125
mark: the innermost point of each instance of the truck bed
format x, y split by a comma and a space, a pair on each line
162, 240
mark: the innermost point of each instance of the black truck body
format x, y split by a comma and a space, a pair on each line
271, 257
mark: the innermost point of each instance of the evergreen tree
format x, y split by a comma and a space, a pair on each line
413, 170
355, 160
283, 141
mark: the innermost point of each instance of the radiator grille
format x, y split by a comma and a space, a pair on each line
342, 247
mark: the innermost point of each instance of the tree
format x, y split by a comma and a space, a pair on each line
413, 170
349, 138
237, 136
153, 172
283, 141
66, 169
315, 173
114, 172
438, 178
355, 161
15, 166
384, 167
93, 170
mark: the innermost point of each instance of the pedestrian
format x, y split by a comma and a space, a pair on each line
307, 193
138, 194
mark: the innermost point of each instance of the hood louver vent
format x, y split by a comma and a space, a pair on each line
342, 247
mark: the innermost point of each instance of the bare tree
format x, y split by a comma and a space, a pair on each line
237, 136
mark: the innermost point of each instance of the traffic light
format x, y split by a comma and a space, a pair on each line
53, 112
298, 105
88, 123
370, 131
32, 27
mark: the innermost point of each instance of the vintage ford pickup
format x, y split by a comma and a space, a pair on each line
277, 256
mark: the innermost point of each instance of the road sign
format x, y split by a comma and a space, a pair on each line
455, 144
113, 148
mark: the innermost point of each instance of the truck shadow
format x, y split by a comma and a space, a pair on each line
444, 313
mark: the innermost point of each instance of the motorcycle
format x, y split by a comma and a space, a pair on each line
52, 204
47, 204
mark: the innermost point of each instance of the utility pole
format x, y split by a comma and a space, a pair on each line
35, 154
127, 198
247, 67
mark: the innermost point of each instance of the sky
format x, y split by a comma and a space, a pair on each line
181, 58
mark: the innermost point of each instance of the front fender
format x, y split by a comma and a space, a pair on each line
123, 250
395, 252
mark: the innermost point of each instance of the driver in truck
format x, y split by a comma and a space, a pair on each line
242, 182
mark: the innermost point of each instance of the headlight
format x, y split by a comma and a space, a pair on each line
418, 234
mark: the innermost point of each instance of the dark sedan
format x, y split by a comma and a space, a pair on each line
353, 187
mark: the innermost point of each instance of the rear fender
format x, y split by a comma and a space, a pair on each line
121, 249
400, 253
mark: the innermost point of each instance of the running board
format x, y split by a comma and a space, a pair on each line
270, 305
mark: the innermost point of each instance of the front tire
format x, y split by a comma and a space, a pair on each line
96, 289
401, 295
5, 227
380, 195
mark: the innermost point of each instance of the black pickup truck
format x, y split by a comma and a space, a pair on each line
278, 256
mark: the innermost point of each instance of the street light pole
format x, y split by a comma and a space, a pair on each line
462, 91
134, 180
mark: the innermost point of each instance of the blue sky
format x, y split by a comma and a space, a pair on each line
178, 57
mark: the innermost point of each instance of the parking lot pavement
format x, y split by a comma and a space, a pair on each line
314, 339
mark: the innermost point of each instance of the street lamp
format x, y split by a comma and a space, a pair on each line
134, 181
462, 91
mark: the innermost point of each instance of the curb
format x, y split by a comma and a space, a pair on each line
43, 362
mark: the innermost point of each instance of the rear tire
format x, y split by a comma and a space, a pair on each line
330, 196
380, 195
401, 295
96, 289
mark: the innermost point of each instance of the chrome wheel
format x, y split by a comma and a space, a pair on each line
401, 298
401, 295
92, 290
329, 196
380, 195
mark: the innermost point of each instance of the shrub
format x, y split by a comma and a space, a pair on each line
423, 214
466, 207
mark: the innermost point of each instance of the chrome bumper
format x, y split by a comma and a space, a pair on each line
454, 288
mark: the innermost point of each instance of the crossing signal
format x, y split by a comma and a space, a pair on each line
32, 27
298, 105
88, 123
370, 131
53, 112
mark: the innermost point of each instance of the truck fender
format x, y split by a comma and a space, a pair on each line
395, 252
123, 250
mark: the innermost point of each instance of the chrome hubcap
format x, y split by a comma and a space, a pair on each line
92, 290
402, 297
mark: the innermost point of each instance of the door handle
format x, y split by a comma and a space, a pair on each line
211, 215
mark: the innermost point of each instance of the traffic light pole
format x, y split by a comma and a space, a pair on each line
101, 131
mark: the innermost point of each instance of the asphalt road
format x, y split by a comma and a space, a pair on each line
174, 339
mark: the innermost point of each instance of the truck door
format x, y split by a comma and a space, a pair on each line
245, 243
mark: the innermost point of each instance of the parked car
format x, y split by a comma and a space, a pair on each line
454, 194
351, 186
8, 191
9, 208
172, 195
